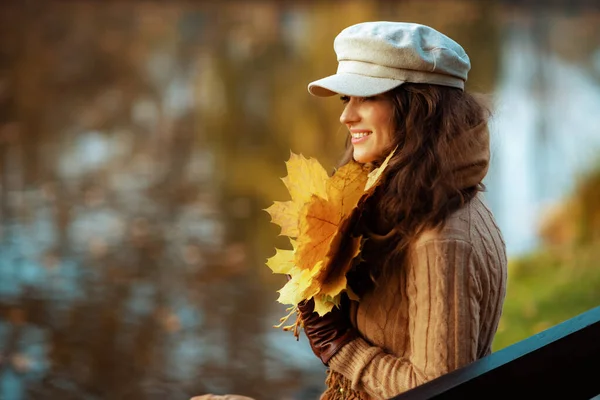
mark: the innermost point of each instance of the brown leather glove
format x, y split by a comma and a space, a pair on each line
326, 334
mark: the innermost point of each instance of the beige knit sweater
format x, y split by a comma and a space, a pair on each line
439, 312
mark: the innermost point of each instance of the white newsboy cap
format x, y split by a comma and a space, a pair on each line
374, 57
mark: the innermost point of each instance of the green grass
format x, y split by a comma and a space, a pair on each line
545, 289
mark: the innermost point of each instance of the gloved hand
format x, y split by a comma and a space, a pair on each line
326, 334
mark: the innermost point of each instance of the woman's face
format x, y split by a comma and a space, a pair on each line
370, 123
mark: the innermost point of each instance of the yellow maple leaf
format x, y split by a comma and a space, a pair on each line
305, 178
322, 216
286, 215
295, 290
375, 175
282, 262
322, 232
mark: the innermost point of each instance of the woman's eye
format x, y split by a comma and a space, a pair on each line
345, 99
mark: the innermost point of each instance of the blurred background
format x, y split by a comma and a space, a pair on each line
140, 141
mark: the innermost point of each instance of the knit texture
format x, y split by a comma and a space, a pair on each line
439, 312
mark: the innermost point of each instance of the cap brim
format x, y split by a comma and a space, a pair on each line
352, 85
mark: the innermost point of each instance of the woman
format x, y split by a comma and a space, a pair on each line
433, 276
433, 279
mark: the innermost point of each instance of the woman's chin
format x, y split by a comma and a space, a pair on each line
363, 157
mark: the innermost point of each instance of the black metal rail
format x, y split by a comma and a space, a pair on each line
562, 362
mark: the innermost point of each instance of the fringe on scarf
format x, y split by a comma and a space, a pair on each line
339, 388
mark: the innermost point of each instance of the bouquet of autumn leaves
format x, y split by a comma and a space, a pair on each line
319, 221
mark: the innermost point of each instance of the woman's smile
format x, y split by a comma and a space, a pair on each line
369, 122
360, 136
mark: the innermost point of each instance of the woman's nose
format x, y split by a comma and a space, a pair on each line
350, 114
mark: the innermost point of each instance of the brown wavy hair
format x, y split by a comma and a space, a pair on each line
420, 188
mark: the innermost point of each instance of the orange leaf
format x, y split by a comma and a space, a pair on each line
344, 248
318, 224
321, 218
322, 214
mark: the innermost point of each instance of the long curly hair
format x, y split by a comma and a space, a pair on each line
423, 184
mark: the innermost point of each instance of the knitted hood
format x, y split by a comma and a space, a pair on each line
471, 156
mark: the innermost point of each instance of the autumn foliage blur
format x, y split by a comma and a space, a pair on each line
561, 278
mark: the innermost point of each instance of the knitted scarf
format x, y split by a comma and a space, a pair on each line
339, 388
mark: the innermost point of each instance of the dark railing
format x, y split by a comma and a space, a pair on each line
562, 362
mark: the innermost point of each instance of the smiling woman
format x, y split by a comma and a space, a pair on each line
370, 123
432, 273
430, 277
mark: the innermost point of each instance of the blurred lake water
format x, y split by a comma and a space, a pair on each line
140, 141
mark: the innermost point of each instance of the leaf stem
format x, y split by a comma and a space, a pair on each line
295, 327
